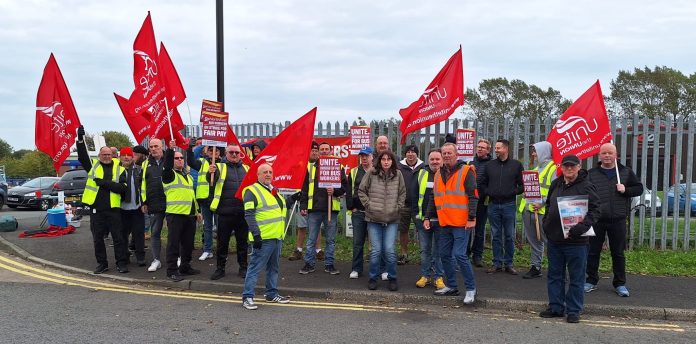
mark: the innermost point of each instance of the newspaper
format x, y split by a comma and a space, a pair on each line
572, 210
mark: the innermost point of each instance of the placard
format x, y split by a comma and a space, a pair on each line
329, 172
532, 189
214, 128
210, 106
359, 138
465, 144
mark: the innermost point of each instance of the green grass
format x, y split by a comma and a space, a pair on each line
641, 260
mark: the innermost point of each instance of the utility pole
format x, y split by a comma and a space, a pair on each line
220, 48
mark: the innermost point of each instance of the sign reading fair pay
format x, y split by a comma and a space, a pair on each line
214, 128
329, 172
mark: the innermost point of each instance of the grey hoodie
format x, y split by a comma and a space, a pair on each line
543, 150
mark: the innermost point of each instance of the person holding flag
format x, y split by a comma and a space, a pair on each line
225, 179
532, 212
204, 192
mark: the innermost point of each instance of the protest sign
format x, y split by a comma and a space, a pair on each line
359, 138
465, 144
329, 172
214, 128
532, 189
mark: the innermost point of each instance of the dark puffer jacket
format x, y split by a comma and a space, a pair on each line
229, 205
615, 205
152, 185
552, 221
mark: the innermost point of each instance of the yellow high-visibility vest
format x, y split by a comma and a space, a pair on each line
270, 215
217, 193
545, 179
180, 195
91, 188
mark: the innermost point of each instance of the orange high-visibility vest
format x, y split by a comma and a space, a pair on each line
451, 201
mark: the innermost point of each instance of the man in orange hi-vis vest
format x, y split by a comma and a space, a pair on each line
454, 199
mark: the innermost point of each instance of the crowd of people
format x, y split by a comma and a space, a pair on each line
447, 201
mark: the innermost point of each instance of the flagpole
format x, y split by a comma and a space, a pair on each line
616, 166
169, 119
189, 112
287, 225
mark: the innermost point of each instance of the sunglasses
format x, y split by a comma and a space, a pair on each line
179, 158
234, 152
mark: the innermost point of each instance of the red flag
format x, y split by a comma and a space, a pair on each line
159, 127
170, 78
439, 100
288, 153
56, 117
233, 140
148, 88
139, 124
583, 128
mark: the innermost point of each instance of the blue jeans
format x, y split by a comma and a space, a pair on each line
359, 236
480, 231
382, 246
574, 258
268, 257
156, 223
502, 218
454, 241
207, 228
431, 264
314, 221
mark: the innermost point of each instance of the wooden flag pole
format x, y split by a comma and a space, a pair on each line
169, 120
536, 218
330, 202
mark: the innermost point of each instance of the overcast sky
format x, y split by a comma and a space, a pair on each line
349, 58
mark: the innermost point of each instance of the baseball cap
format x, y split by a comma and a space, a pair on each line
366, 151
570, 160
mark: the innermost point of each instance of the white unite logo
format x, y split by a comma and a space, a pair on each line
574, 129
147, 80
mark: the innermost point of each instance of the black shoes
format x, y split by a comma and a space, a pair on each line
306, 269
477, 262
532, 273
573, 318
175, 277
189, 271
548, 313
331, 269
141, 263
242, 272
393, 286
122, 269
101, 268
372, 284
218, 274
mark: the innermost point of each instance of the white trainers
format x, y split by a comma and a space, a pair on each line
205, 255
154, 265
248, 303
354, 275
470, 297
385, 276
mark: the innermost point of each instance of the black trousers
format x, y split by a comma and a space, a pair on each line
226, 225
133, 223
102, 223
181, 230
616, 231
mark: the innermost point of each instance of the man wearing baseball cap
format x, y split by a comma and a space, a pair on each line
568, 249
358, 210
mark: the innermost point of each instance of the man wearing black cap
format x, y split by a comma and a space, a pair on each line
301, 220
409, 167
140, 154
358, 209
568, 250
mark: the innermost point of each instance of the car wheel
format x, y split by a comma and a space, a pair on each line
45, 204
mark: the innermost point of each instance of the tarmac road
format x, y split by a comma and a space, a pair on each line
41, 305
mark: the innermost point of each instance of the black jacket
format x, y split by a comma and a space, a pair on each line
410, 178
614, 204
321, 198
229, 205
501, 181
480, 164
106, 184
155, 200
352, 199
552, 221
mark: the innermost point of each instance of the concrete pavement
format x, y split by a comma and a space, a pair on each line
652, 297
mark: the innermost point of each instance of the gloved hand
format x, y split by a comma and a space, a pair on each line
81, 133
577, 231
257, 242
296, 196
100, 182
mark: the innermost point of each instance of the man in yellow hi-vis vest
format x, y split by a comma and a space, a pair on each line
103, 190
541, 157
264, 211
181, 214
204, 193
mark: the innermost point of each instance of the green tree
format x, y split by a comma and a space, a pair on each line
5, 149
31, 164
657, 92
18, 154
503, 99
117, 139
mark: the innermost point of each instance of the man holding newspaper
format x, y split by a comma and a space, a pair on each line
572, 208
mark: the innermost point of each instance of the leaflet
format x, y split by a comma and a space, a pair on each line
572, 210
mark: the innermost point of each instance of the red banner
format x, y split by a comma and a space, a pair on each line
341, 149
149, 90
288, 154
170, 78
139, 124
56, 117
583, 128
439, 100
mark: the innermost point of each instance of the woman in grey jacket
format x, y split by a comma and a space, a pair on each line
383, 192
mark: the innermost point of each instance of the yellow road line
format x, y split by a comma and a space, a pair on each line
67, 280
624, 323
634, 327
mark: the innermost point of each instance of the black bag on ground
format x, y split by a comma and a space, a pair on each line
8, 223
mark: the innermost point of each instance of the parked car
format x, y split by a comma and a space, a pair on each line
3, 191
682, 199
72, 183
32, 193
650, 199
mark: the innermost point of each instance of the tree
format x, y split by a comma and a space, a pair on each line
5, 149
32, 164
117, 139
657, 92
503, 99
18, 154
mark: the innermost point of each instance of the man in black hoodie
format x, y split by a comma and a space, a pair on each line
616, 205
483, 156
501, 182
568, 250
